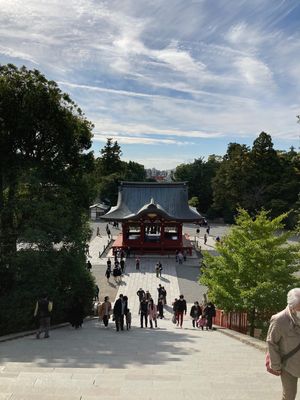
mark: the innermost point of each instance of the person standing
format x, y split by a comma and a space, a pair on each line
137, 264
159, 292
157, 270
283, 339
195, 313
160, 268
209, 313
152, 312
144, 312
122, 265
89, 265
104, 311
43, 309
120, 309
181, 309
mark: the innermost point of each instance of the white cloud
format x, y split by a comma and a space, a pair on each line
254, 71
151, 73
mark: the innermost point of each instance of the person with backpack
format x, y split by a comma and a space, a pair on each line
43, 309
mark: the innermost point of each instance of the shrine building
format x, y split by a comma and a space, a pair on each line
152, 216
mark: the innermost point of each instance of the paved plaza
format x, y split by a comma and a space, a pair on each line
167, 363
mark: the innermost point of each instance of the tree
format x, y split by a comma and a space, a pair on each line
231, 182
110, 160
255, 267
199, 176
111, 170
44, 190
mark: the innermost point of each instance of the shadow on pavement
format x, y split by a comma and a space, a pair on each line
95, 346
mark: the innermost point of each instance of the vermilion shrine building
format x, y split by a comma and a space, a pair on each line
152, 216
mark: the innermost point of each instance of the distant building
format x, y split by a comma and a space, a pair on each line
159, 175
96, 210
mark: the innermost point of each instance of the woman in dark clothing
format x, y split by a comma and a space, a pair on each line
195, 313
160, 307
209, 313
107, 273
181, 309
76, 313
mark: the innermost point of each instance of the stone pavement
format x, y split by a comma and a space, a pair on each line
167, 363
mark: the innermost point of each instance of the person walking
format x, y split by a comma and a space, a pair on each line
152, 312
181, 309
97, 291
209, 312
122, 265
180, 258
205, 238
43, 309
128, 319
89, 265
141, 294
143, 312
108, 273
120, 309
283, 345
195, 313
164, 294
104, 311
160, 308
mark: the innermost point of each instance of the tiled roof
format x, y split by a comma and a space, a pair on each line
169, 199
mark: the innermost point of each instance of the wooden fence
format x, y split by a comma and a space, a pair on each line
237, 321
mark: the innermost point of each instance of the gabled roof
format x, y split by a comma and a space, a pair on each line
170, 200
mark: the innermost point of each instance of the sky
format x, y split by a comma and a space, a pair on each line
170, 80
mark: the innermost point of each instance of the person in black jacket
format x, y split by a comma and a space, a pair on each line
141, 294
144, 312
120, 309
181, 309
195, 313
209, 313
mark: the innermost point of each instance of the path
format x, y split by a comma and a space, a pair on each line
167, 363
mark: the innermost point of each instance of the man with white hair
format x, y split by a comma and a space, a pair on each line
284, 344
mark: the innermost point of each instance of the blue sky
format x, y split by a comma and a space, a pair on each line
170, 80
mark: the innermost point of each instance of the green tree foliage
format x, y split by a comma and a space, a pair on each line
111, 170
255, 267
45, 188
199, 175
255, 178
